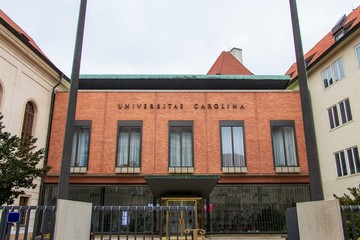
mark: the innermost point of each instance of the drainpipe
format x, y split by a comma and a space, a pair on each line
46, 154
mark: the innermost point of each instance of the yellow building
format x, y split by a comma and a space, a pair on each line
333, 71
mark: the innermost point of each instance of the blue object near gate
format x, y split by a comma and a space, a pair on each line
13, 217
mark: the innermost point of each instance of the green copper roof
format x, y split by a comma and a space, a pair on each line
186, 76
182, 82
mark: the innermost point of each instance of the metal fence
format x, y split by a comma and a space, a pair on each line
36, 223
108, 222
130, 222
351, 221
143, 222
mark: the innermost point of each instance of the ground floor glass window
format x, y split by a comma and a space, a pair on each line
253, 208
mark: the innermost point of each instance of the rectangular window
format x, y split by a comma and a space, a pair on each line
23, 201
284, 146
345, 111
333, 117
181, 146
333, 73
341, 163
357, 52
338, 69
232, 146
341, 110
129, 146
327, 77
353, 159
80, 148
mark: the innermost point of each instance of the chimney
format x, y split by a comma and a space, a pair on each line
237, 53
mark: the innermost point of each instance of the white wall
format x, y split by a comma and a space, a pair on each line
329, 140
24, 77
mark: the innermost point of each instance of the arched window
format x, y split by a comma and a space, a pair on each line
28, 123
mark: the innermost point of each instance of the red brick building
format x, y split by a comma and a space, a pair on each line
232, 145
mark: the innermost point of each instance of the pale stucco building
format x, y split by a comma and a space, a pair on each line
28, 81
333, 71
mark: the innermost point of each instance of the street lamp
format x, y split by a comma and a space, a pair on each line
316, 192
63, 190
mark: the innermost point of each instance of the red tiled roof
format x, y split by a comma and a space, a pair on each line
227, 64
324, 44
19, 30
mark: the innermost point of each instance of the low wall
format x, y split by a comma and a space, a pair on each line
73, 220
320, 220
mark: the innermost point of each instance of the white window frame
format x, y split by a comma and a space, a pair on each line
345, 111
347, 162
339, 113
353, 160
333, 115
333, 73
357, 54
340, 163
327, 78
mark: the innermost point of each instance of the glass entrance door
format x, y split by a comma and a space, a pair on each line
178, 221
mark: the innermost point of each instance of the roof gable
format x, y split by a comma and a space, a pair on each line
21, 34
227, 64
327, 42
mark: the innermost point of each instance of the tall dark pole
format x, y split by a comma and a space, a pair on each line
316, 192
63, 191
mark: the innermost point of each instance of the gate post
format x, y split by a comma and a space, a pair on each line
73, 220
292, 225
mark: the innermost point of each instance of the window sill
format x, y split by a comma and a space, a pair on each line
287, 169
78, 169
341, 125
334, 82
181, 170
234, 169
127, 170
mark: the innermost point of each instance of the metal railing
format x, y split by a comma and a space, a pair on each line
144, 222
36, 223
351, 221
108, 222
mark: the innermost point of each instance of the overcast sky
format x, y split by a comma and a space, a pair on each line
174, 36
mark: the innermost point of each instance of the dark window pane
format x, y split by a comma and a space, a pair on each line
336, 117
356, 159
343, 163
348, 110
28, 121
351, 161
338, 165
343, 112
331, 119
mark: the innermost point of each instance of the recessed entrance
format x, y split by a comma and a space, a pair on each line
177, 221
